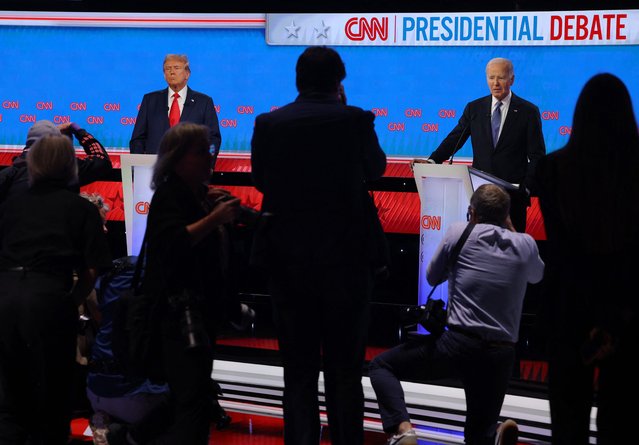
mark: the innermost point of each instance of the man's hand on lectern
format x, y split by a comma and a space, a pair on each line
421, 161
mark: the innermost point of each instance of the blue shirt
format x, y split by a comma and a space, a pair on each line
487, 284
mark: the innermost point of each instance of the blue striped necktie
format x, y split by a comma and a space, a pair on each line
495, 122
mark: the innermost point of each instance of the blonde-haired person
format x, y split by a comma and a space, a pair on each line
47, 235
162, 109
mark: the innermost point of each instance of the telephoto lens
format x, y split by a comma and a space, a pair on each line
193, 329
411, 315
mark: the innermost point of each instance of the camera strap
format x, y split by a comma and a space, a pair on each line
137, 274
455, 252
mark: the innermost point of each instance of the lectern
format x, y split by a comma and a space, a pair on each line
137, 171
444, 192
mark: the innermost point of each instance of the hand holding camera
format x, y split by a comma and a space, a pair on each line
226, 209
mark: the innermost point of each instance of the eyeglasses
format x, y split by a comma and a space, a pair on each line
468, 213
173, 68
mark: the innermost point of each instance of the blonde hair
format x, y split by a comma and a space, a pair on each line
52, 157
180, 57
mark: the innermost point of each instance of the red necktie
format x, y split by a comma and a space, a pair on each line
174, 114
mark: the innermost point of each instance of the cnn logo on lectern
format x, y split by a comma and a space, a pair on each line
142, 207
431, 222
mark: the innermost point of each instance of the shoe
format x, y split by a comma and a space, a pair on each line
407, 438
99, 424
247, 317
507, 433
117, 434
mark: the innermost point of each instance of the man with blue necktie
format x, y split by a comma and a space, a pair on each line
505, 132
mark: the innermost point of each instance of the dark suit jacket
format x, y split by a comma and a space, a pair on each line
520, 144
153, 119
311, 159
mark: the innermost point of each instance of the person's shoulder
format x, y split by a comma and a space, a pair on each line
156, 92
478, 105
455, 230
520, 238
358, 111
364, 117
479, 101
523, 103
197, 94
276, 113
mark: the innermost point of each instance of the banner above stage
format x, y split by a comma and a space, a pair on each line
456, 29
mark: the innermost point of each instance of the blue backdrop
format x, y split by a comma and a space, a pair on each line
97, 77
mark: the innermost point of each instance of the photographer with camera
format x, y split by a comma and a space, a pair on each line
95, 166
185, 272
486, 288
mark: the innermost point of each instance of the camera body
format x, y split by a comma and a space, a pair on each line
191, 323
431, 316
247, 216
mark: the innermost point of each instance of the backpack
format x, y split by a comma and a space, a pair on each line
134, 334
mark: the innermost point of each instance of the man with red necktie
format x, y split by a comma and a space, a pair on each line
162, 109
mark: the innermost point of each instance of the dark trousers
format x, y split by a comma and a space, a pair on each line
519, 203
38, 326
321, 315
573, 389
484, 370
188, 374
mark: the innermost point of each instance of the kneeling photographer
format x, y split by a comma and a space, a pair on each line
186, 273
486, 288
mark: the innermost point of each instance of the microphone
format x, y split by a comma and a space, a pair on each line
461, 136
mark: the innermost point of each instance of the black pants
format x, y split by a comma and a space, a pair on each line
484, 370
321, 315
188, 373
573, 389
519, 203
38, 326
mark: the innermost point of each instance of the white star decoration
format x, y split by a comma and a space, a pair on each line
322, 30
292, 29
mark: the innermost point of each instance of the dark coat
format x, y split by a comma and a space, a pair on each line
153, 119
312, 159
520, 144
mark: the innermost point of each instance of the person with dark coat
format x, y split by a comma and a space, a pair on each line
505, 131
52, 248
312, 159
161, 110
588, 196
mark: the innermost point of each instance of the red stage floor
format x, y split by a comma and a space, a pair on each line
250, 429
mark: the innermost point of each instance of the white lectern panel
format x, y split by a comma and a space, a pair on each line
136, 187
444, 192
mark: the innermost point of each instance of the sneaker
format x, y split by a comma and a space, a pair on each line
247, 317
99, 424
407, 438
507, 433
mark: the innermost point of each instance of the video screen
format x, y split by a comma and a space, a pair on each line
94, 70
